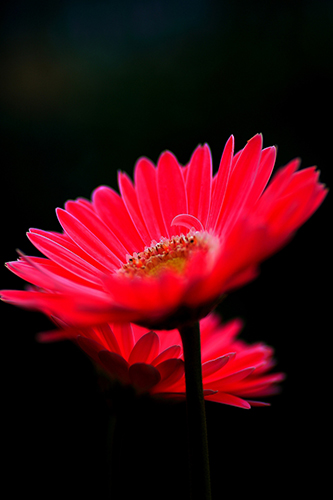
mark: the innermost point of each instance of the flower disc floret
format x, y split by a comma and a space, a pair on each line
167, 255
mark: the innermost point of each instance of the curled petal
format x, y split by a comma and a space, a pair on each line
188, 221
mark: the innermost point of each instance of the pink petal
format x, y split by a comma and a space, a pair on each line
146, 188
96, 226
217, 341
90, 243
43, 272
265, 169
171, 190
279, 183
111, 209
125, 338
257, 403
64, 257
144, 377
131, 202
212, 366
226, 383
108, 338
198, 183
240, 183
146, 349
228, 399
171, 371
90, 347
220, 183
116, 366
171, 352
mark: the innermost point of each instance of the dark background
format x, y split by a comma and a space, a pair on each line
88, 87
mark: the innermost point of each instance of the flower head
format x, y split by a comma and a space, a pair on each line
234, 372
171, 244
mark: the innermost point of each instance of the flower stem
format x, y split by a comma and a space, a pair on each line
196, 416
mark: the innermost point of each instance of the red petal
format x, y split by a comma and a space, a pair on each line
171, 352
96, 226
228, 399
115, 365
265, 169
90, 243
171, 371
198, 183
131, 202
220, 183
144, 377
146, 188
171, 189
111, 209
212, 366
240, 183
125, 337
65, 257
145, 350
90, 347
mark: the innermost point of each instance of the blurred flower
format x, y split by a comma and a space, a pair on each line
233, 371
166, 249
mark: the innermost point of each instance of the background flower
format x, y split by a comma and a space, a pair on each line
234, 372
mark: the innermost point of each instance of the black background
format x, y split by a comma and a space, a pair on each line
88, 87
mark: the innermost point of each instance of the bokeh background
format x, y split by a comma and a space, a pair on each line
86, 88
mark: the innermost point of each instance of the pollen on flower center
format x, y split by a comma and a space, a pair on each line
171, 254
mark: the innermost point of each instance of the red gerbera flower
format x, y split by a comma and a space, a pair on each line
166, 249
233, 372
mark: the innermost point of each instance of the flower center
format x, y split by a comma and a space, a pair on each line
168, 254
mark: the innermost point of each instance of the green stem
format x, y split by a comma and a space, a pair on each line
196, 415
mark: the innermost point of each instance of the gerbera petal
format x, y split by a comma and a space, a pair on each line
265, 169
218, 339
220, 183
108, 338
228, 399
90, 347
86, 240
240, 183
171, 352
125, 338
131, 202
144, 377
171, 189
198, 183
111, 209
146, 188
228, 381
145, 350
96, 226
116, 366
212, 366
171, 371
65, 257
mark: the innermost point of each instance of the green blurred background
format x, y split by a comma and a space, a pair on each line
86, 88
